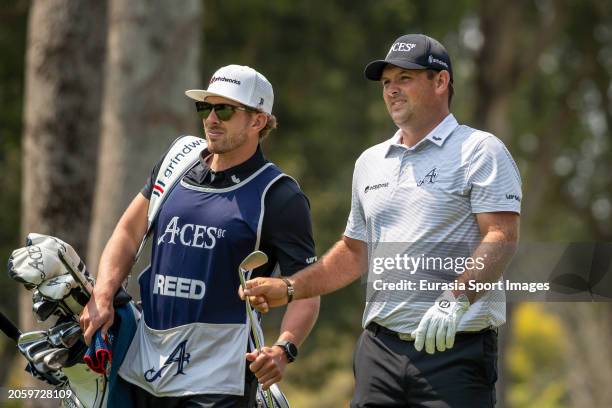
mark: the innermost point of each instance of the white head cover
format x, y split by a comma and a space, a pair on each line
241, 84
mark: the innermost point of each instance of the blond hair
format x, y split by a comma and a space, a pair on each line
270, 126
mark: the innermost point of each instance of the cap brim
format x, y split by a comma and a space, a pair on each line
202, 94
373, 71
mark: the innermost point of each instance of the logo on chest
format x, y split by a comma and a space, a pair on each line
429, 178
192, 235
375, 187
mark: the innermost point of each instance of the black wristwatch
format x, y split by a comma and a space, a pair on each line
290, 349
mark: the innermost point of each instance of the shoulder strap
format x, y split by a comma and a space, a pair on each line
181, 157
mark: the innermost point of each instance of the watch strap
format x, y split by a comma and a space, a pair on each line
290, 289
286, 346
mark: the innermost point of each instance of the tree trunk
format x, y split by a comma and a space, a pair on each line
66, 47
152, 59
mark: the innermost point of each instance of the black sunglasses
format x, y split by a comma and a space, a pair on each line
224, 111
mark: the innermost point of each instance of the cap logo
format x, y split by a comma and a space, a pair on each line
224, 79
261, 102
402, 47
433, 60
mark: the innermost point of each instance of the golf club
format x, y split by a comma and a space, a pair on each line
44, 309
70, 336
38, 358
30, 337
254, 260
56, 359
8, 327
54, 333
31, 349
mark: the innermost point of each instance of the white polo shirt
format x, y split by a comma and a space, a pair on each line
421, 201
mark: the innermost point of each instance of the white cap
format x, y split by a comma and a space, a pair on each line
241, 84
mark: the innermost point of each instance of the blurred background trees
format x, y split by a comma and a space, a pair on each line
535, 73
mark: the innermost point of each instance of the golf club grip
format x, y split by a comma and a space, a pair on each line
9, 328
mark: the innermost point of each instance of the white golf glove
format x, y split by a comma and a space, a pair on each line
439, 324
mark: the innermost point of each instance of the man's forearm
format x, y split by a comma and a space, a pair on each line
496, 251
115, 264
340, 266
299, 319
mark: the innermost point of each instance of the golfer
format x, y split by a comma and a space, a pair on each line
190, 348
434, 188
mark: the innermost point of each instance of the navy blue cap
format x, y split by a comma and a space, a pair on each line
412, 51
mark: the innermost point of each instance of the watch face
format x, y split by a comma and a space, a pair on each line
292, 349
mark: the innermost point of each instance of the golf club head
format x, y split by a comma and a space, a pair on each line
30, 337
70, 336
54, 333
40, 356
254, 260
31, 349
56, 359
278, 398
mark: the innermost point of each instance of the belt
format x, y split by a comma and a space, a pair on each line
376, 328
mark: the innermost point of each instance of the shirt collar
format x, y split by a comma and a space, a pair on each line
234, 174
437, 136
444, 129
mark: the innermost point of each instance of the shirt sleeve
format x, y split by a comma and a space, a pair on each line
356, 224
493, 178
287, 229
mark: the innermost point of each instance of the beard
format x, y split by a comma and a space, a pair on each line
229, 142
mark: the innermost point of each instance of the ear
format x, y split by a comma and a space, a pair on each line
442, 81
259, 121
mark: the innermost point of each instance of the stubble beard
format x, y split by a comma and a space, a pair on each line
402, 116
229, 143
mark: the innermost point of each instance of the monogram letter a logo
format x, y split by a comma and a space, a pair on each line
179, 355
429, 177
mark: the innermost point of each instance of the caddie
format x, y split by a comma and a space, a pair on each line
191, 347
435, 190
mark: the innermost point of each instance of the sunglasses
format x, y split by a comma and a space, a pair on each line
224, 111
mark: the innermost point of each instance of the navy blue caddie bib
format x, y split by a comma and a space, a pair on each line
200, 237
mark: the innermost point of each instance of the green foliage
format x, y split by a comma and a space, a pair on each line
535, 359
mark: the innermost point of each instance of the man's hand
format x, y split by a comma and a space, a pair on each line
268, 365
439, 324
265, 293
98, 313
